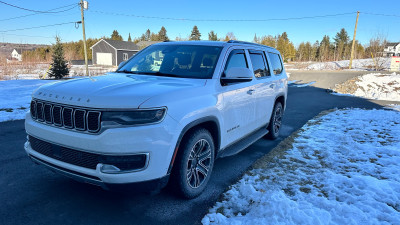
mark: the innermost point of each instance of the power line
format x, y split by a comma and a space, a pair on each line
223, 20
36, 11
32, 14
378, 14
29, 28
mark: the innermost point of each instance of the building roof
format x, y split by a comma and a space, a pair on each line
120, 45
20, 50
392, 43
143, 44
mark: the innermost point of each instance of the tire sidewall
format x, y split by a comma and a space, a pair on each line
272, 134
186, 190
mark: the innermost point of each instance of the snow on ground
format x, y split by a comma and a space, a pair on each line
15, 97
393, 106
357, 64
340, 168
294, 84
373, 86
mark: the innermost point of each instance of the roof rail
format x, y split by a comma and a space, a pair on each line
248, 43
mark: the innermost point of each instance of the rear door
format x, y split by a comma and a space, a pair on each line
238, 102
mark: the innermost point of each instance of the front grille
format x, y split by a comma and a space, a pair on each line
86, 159
65, 116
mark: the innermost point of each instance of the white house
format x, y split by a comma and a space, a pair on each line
392, 49
17, 54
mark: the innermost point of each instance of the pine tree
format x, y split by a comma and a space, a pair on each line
59, 67
116, 36
212, 36
147, 35
195, 35
256, 39
162, 34
129, 38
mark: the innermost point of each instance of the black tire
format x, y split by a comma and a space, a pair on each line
193, 166
275, 123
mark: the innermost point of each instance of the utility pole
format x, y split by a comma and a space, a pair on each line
84, 5
354, 41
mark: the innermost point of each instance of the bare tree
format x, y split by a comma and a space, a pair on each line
375, 50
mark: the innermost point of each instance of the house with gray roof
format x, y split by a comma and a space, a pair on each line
111, 52
392, 49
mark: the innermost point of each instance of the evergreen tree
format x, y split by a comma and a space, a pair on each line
212, 36
162, 34
342, 36
147, 35
256, 39
116, 36
129, 38
269, 41
59, 67
195, 35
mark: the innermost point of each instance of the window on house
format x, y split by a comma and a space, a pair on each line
125, 56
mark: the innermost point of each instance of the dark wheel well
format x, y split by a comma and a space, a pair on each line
212, 127
209, 124
281, 99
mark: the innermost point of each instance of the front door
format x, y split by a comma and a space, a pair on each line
238, 103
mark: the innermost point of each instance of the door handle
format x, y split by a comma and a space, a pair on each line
250, 92
272, 85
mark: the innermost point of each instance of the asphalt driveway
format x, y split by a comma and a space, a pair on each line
31, 194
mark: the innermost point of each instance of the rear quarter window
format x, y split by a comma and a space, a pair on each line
276, 63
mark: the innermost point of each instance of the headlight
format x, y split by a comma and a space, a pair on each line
135, 117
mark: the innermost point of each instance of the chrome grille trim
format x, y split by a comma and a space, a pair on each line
57, 120
68, 117
33, 109
77, 121
98, 121
65, 116
39, 111
48, 113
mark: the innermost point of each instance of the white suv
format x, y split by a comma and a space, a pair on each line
168, 112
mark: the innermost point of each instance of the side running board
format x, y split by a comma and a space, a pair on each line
243, 143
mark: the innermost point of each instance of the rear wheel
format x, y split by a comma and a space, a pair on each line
275, 123
194, 164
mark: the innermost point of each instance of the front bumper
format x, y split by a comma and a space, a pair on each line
157, 140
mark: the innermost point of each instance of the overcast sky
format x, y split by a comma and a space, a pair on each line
100, 23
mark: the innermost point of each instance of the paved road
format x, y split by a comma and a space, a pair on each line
326, 79
31, 194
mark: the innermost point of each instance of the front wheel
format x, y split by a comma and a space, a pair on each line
194, 164
275, 123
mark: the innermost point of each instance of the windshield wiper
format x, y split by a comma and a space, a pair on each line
160, 74
126, 71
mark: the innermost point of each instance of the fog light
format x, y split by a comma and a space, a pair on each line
123, 163
109, 169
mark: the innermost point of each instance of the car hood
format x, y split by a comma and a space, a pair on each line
113, 90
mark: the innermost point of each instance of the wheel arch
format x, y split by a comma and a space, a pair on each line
281, 99
210, 123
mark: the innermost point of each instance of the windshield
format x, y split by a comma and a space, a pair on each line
188, 61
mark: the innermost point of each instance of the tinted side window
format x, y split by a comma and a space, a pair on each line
276, 63
237, 58
259, 67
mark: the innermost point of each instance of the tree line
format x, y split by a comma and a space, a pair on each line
338, 48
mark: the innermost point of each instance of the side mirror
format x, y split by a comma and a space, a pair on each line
237, 74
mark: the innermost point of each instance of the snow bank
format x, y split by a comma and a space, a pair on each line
357, 64
342, 168
373, 86
15, 97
